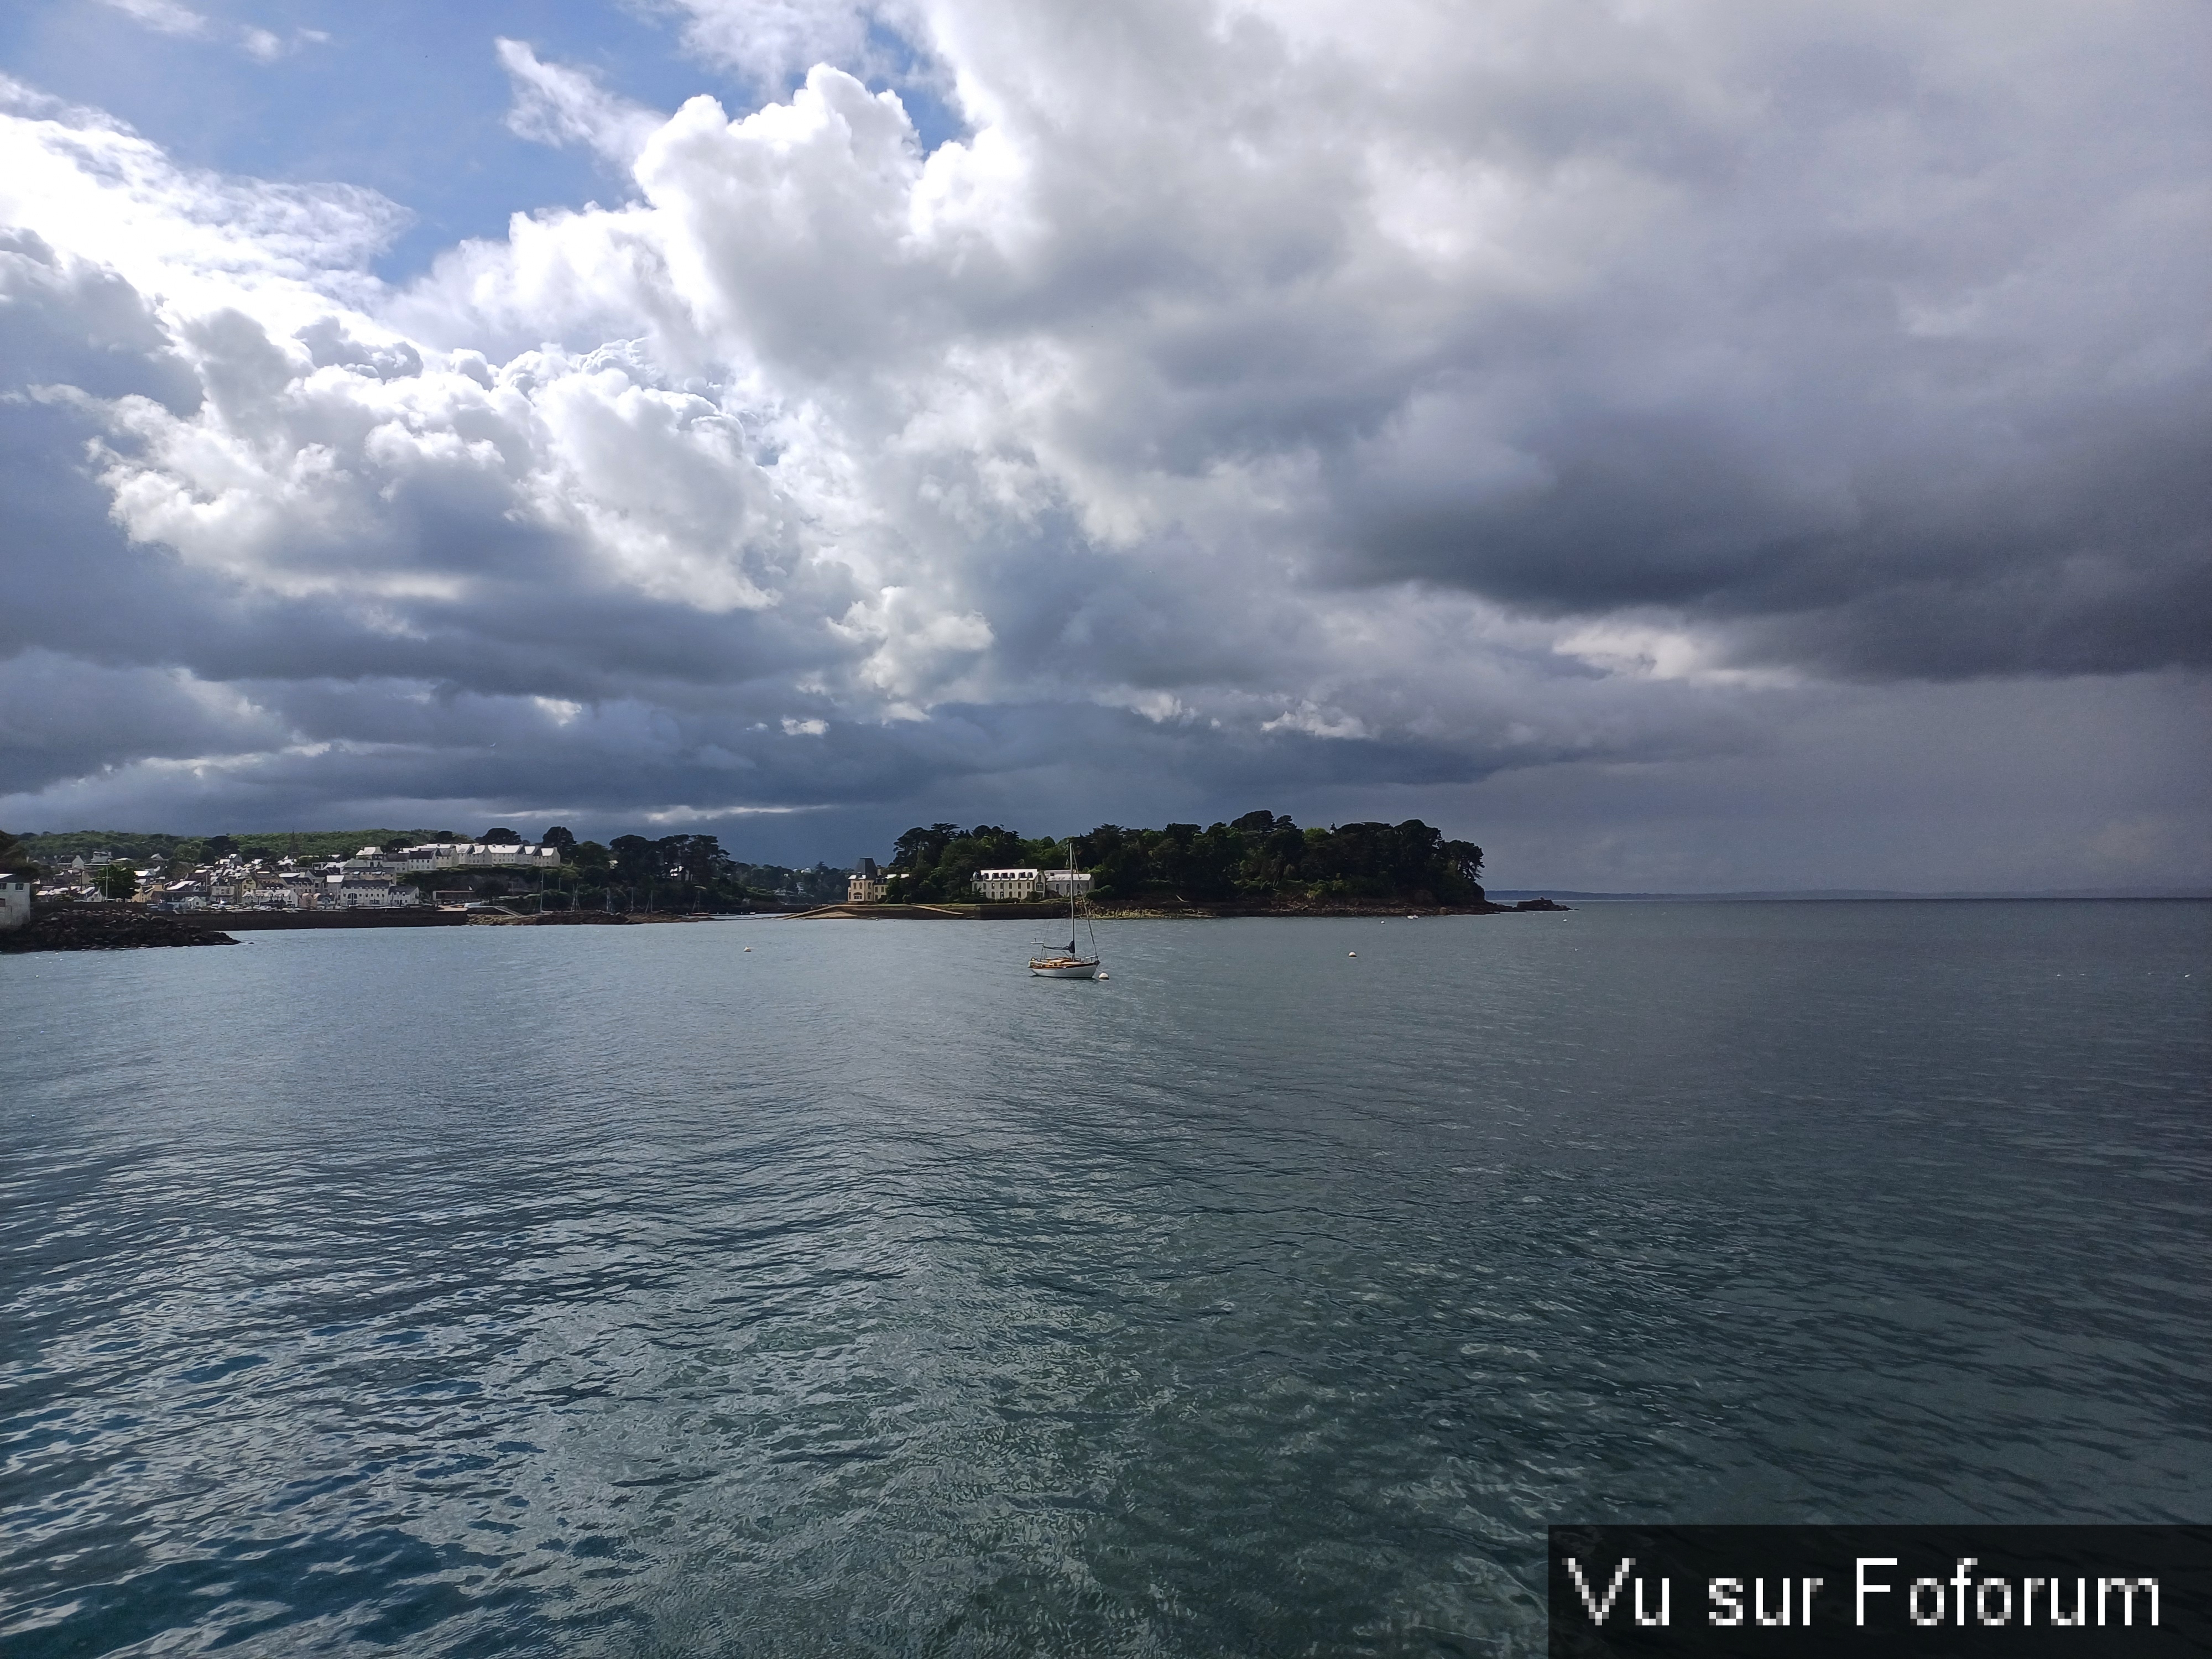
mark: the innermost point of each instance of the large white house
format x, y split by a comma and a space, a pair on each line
1008, 883
369, 893
1031, 884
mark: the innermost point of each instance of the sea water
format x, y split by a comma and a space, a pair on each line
786, 1288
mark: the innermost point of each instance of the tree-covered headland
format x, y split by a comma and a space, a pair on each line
1259, 859
685, 874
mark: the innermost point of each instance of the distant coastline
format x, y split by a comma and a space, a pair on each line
1158, 912
1861, 896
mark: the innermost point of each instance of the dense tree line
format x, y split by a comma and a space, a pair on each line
1259, 858
940, 862
681, 873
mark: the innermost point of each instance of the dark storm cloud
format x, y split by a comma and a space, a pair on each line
2090, 552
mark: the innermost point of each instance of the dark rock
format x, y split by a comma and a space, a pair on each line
106, 928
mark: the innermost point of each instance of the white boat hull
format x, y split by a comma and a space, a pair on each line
1065, 969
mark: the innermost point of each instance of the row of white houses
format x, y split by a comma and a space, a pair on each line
290, 892
453, 856
372, 879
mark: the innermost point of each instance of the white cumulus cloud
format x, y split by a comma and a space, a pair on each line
1381, 398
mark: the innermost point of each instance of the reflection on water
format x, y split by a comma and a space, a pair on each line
621, 1291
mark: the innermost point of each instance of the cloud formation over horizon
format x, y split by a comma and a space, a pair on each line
1254, 396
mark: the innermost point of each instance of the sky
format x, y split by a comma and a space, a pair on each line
1706, 446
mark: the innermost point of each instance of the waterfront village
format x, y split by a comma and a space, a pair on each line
373, 878
400, 878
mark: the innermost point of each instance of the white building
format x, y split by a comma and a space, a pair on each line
1008, 883
1068, 883
14, 903
367, 893
243, 887
451, 856
478, 856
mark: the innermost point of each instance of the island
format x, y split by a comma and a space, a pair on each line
1260, 864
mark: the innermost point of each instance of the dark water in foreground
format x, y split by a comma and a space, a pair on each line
620, 1291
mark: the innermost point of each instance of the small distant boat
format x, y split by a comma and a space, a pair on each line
1071, 963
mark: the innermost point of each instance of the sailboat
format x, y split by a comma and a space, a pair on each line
1070, 963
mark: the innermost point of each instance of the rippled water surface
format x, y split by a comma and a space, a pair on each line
622, 1291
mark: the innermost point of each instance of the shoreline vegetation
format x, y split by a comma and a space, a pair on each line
1259, 865
890, 910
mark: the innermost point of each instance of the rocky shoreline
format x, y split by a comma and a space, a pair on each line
568, 918
132, 927
106, 928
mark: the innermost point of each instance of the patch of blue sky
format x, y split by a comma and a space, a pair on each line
406, 97
919, 87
